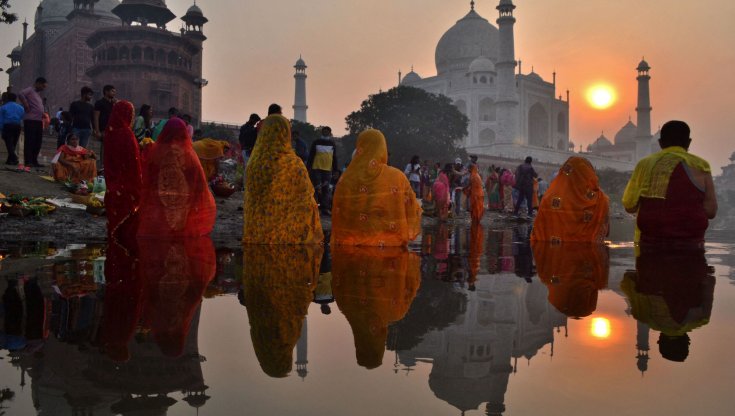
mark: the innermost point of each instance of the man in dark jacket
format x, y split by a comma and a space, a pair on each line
248, 135
524, 183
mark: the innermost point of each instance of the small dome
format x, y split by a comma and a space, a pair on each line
600, 143
410, 78
482, 64
195, 10
626, 134
471, 37
643, 66
505, 3
300, 63
17, 49
54, 12
534, 77
732, 157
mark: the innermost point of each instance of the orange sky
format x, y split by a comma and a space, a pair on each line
354, 48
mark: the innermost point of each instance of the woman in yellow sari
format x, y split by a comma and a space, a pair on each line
73, 162
210, 151
374, 204
279, 203
574, 209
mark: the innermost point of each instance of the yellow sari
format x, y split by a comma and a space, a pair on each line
209, 152
373, 288
374, 204
279, 203
278, 282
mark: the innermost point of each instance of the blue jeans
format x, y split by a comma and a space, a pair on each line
84, 135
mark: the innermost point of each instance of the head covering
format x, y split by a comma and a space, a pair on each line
574, 273
374, 204
176, 200
373, 288
123, 177
574, 209
278, 285
209, 151
279, 203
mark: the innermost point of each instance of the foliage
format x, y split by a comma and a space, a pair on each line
414, 122
307, 131
613, 184
219, 132
5, 16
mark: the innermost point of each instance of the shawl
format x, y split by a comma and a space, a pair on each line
279, 203
374, 204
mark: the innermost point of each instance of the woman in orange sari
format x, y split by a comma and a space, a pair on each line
374, 204
279, 203
73, 162
574, 209
176, 201
122, 171
210, 151
476, 195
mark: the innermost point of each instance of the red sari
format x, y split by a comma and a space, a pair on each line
176, 201
122, 172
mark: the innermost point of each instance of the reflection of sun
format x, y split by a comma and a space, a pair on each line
600, 328
601, 96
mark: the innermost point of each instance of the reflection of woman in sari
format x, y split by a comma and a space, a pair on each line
373, 288
574, 273
507, 181
492, 186
73, 162
176, 201
278, 283
279, 203
374, 204
476, 195
122, 170
176, 273
210, 151
574, 209
440, 192
476, 250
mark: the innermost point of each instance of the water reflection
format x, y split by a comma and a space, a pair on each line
671, 291
573, 273
120, 347
373, 288
278, 286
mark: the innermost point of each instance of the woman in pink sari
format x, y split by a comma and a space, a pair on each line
440, 191
507, 181
123, 176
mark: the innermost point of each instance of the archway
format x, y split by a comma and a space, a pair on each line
487, 109
538, 126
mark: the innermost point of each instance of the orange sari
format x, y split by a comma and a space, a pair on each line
176, 201
574, 209
476, 195
209, 152
374, 204
574, 274
279, 203
373, 287
278, 285
85, 167
477, 247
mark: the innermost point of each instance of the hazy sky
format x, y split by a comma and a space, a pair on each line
354, 48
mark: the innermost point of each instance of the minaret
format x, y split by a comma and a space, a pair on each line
299, 106
302, 352
643, 137
507, 102
642, 346
194, 21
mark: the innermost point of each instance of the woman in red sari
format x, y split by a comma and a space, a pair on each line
122, 171
176, 201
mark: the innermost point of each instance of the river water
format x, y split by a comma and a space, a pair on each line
471, 320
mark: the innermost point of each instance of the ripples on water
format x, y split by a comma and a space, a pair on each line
471, 319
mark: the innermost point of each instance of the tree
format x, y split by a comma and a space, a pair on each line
219, 132
307, 131
6, 17
414, 122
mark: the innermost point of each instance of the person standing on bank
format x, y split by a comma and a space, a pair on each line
525, 175
413, 173
321, 164
82, 114
32, 103
11, 117
102, 111
248, 136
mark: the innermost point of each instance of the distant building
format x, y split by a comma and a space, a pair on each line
511, 115
79, 43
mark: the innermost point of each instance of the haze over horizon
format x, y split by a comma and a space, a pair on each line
354, 49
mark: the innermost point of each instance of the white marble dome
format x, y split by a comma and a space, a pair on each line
626, 134
411, 77
482, 64
54, 12
471, 37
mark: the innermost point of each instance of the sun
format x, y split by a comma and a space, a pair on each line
601, 96
600, 328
